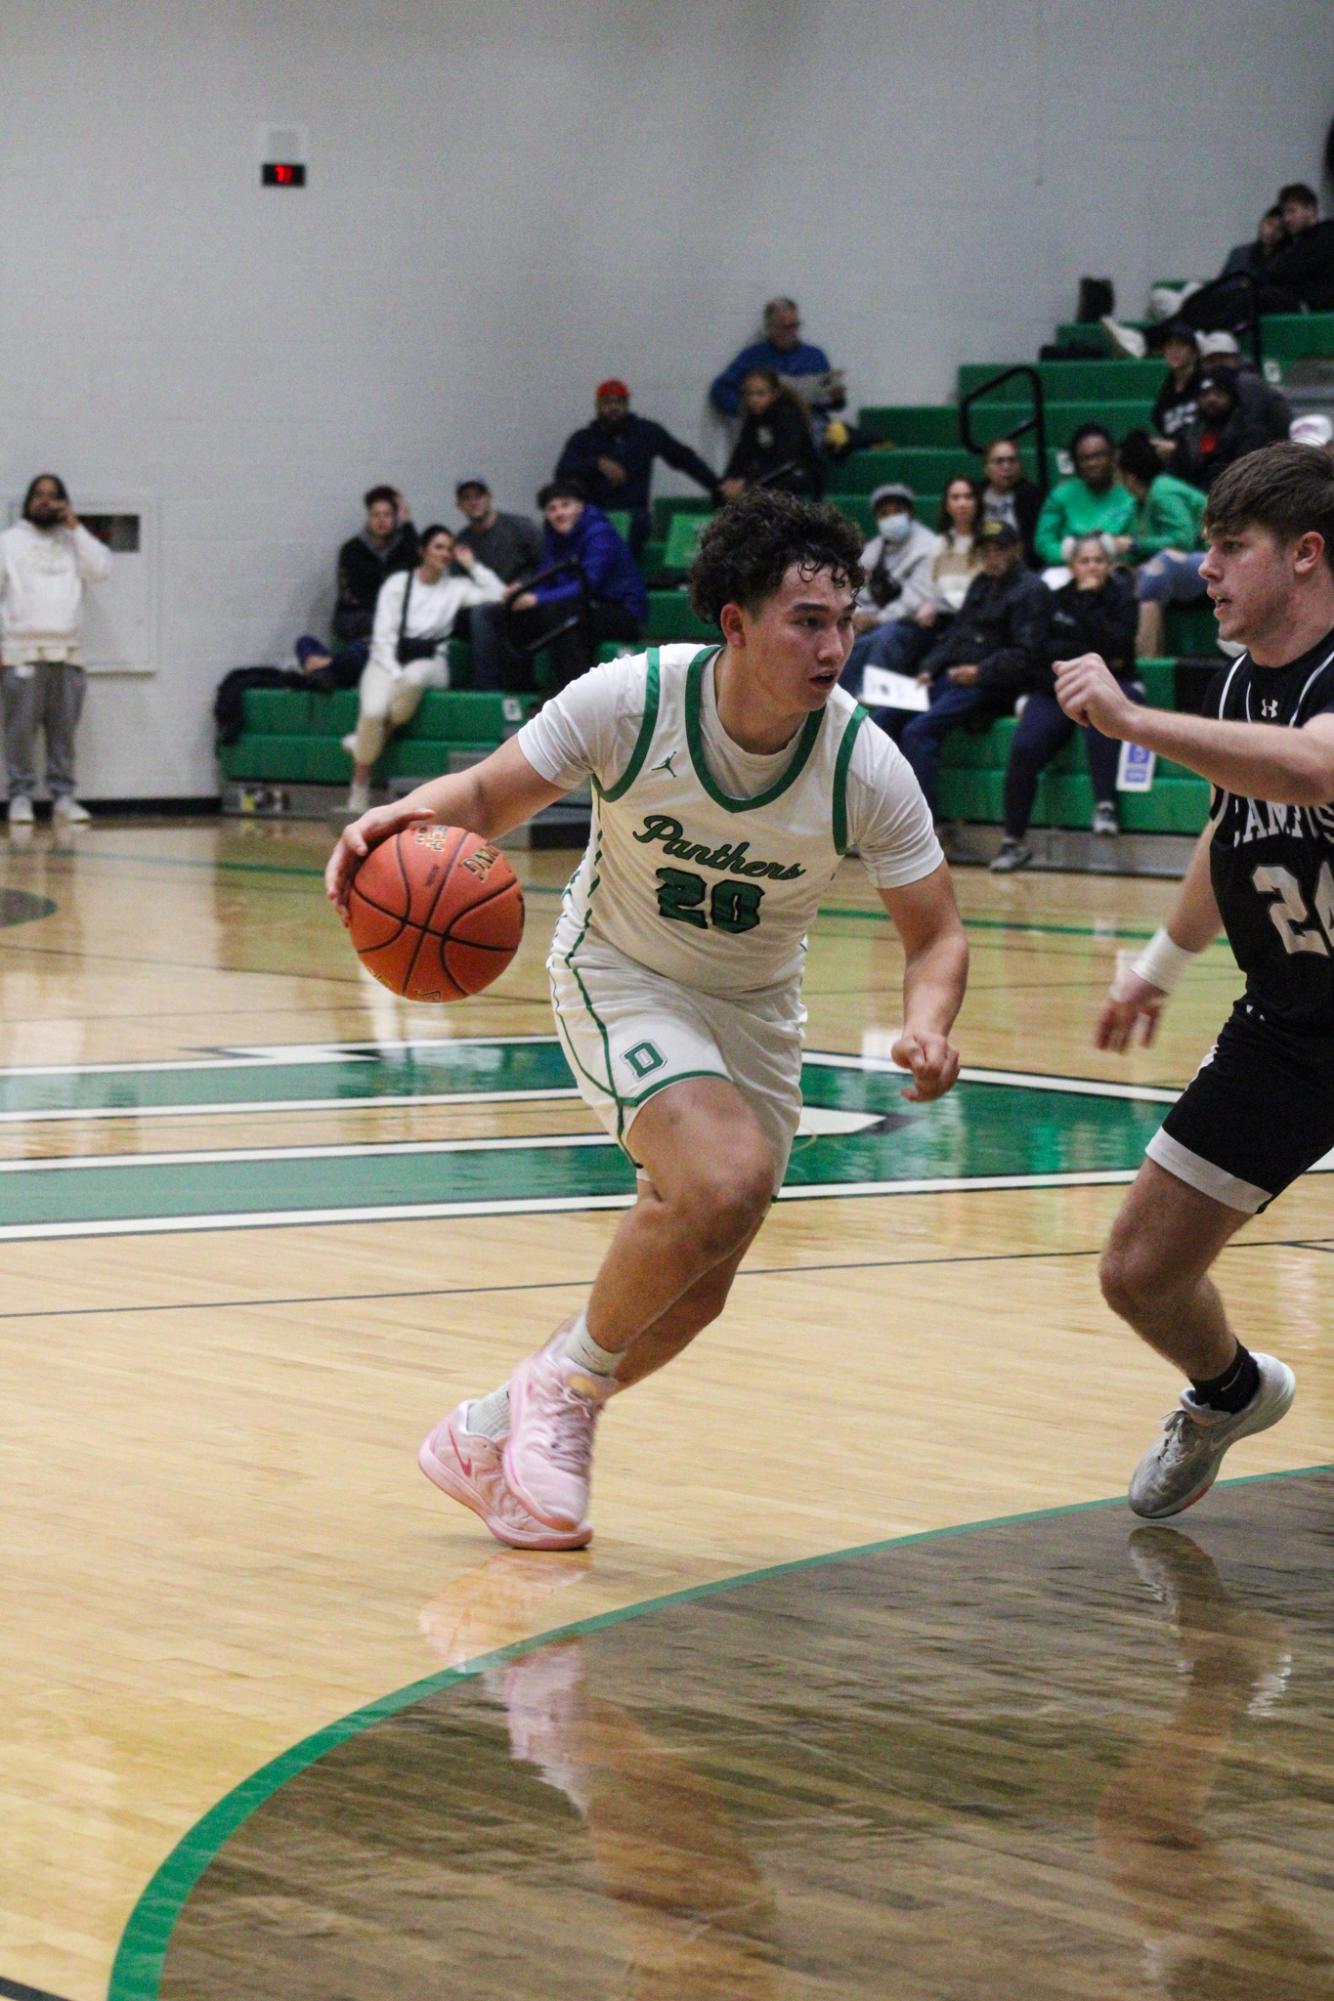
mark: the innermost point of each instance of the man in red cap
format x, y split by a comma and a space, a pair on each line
612, 459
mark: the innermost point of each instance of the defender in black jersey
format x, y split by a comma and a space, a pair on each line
1260, 1110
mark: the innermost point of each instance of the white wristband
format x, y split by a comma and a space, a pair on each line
1161, 963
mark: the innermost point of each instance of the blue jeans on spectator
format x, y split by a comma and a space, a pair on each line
897, 647
1042, 732
1170, 579
921, 740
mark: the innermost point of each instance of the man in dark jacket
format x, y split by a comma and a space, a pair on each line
596, 595
1259, 399
1008, 496
990, 655
1222, 433
612, 459
387, 544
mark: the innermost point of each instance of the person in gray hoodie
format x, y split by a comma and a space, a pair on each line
898, 563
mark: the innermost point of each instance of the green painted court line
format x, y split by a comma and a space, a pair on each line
137, 1972
1007, 1130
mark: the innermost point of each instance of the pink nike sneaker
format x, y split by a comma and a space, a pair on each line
548, 1458
467, 1466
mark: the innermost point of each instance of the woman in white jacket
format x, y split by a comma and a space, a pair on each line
45, 560
414, 616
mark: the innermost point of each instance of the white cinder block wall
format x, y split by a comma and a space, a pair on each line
507, 203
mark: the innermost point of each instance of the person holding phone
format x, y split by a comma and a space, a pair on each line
46, 558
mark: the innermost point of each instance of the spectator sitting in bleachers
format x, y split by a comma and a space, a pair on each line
897, 562
1298, 277
510, 545
1260, 400
990, 654
774, 446
612, 459
1093, 613
1092, 503
1165, 544
1221, 434
414, 618
1008, 496
801, 367
595, 595
1256, 257
386, 545
957, 558
1177, 403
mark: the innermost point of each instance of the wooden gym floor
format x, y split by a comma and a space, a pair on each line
270, 1732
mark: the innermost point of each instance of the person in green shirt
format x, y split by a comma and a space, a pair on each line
1092, 503
1166, 542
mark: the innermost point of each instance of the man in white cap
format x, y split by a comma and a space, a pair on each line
1257, 398
1313, 429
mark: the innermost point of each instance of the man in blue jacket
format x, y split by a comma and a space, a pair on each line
587, 590
783, 350
612, 459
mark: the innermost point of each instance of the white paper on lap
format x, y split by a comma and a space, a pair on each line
883, 690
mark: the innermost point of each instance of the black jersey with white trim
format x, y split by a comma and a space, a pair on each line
1272, 866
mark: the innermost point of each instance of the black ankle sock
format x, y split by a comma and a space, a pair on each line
1233, 1389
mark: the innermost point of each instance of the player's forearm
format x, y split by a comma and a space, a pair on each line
1255, 760
1195, 921
490, 799
934, 979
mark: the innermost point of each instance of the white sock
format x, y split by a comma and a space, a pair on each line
489, 1416
579, 1346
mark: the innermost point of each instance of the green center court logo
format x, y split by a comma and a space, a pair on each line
858, 1137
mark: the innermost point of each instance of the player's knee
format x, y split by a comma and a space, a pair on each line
1132, 1283
728, 1197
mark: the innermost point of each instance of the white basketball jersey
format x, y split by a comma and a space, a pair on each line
714, 892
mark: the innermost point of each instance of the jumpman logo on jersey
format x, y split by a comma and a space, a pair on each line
666, 765
1269, 709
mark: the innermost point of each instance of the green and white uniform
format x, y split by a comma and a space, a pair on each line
681, 938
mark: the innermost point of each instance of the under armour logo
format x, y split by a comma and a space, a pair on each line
1269, 709
666, 765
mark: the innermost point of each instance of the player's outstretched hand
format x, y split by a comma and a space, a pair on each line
1132, 1004
356, 841
933, 1060
1089, 692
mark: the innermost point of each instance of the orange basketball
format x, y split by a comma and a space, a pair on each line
435, 913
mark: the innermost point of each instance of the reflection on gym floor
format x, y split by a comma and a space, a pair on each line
1053, 1758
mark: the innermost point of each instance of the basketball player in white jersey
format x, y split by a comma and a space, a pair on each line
1260, 1110
728, 782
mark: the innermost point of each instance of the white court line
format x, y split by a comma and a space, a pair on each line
265, 1055
268, 1219
239, 1156
212, 1109
1022, 1080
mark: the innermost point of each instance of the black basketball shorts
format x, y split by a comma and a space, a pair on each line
1258, 1112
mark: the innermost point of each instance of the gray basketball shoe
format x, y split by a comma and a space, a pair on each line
1182, 1463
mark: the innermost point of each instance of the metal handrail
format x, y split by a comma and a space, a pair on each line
1037, 422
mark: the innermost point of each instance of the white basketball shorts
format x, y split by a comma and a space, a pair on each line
629, 1033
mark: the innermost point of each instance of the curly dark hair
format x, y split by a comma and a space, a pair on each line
752, 543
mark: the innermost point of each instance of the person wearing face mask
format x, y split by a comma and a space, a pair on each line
898, 563
1094, 613
46, 558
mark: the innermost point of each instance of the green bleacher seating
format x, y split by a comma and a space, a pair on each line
1080, 381
294, 737
683, 533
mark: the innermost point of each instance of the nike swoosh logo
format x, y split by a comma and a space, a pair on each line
459, 1452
